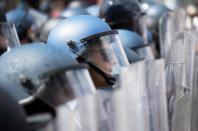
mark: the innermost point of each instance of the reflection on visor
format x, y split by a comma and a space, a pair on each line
144, 51
101, 53
58, 88
102, 49
106, 52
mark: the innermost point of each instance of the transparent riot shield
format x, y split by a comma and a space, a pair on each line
137, 102
68, 86
118, 115
179, 79
111, 110
86, 113
163, 32
65, 119
58, 86
156, 87
194, 114
143, 84
8, 37
106, 111
103, 111
170, 24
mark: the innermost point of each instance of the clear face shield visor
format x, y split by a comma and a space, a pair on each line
57, 87
144, 51
103, 52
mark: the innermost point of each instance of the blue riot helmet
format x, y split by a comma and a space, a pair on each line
23, 66
93, 41
68, 12
133, 41
119, 14
93, 10
124, 15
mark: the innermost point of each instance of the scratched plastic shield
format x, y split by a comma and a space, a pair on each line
143, 84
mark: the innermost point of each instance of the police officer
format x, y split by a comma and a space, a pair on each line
29, 62
124, 15
127, 15
41, 77
98, 46
94, 43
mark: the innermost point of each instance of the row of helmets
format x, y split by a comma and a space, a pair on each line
82, 52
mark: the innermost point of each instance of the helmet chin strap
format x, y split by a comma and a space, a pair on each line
111, 80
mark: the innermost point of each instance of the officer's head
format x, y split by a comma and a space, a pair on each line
27, 70
122, 15
94, 43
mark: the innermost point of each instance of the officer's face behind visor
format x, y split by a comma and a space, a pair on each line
106, 52
62, 85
